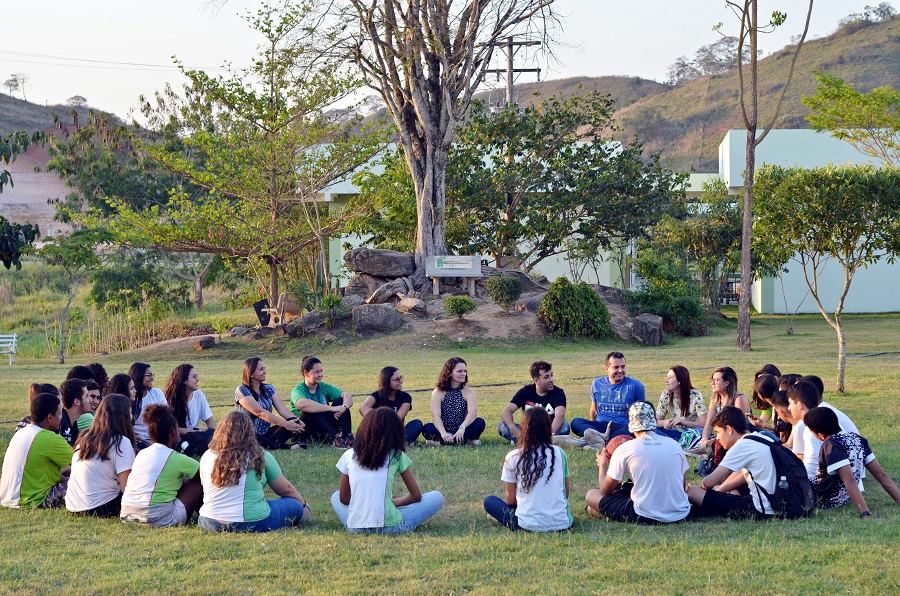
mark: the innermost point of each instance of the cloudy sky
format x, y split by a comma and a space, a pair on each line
112, 51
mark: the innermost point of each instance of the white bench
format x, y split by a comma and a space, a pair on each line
452, 266
8, 346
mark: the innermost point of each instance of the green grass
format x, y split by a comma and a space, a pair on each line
459, 550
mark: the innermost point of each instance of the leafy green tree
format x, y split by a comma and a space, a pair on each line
79, 254
848, 214
708, 237
15, 239
868, 121
262, 143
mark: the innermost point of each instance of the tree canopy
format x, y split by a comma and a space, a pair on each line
15, 239
849, 214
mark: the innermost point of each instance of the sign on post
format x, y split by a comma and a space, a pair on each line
452, 266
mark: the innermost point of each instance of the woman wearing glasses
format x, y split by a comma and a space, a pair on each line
145, 396
390, 394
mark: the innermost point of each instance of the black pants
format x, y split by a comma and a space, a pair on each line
277, 438
472, 432
323, 426
108, 509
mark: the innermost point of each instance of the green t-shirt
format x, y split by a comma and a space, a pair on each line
157, 475
84, 422
244, 502
325, 394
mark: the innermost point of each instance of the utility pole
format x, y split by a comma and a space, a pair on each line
509, 47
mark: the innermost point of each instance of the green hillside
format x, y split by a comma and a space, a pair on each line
18, 114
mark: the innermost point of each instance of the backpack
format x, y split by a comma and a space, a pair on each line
793, 496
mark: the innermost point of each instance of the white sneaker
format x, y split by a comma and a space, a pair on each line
430, 443
594, 437
475, 442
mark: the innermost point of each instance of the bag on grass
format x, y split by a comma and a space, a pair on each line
793, 497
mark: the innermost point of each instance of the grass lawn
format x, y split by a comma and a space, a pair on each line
459, 550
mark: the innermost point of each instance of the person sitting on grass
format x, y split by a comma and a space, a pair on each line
190, 407
77, 413
102, 460
724, 393
842, 459
733, 488
542, 392
764, 386
610, 398
680, 408
784, 427
365, 503
324, 409
147, 395
34, 390
536, 480
803, 397
122, 384
101, 377
390, 394
234, 472
36, 465
163, 488
847, 425
257, 399
454, 408
657, 467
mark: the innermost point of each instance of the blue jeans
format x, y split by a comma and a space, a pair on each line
669, 432
579, 425
283, 513
413, 430
503, 430
503, 513
414, 514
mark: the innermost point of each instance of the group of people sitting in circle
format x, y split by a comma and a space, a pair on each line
120, 447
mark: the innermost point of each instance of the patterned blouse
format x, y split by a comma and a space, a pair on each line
265, 399
696, 408
453, 410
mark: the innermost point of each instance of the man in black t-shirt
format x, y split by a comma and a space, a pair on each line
76, 402
542, 393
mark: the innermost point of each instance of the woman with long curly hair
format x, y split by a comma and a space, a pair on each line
365, 503
234, 473
104, 455
680, 407
536, 478
146, 395
189, 406
258, 398
390, 394
454, 409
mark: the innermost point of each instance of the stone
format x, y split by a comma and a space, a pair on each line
329, 339
648, 329
363, 285
531, 302
238, 331
610, 295
353, 300
384, 263
205, 343
389, 290
369, 319
412, 306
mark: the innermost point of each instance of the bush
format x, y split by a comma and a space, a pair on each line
333, 307
684, 311
458, 306
504, 290
574, 310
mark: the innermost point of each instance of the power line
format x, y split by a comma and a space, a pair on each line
108, 64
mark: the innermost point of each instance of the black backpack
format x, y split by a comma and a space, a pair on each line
793, 497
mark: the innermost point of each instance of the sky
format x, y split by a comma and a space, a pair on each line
113, 51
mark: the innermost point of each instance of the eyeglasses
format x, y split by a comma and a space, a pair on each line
400, 378
195, 377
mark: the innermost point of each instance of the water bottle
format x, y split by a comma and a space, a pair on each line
782, 483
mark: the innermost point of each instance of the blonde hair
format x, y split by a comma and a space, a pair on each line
236, 449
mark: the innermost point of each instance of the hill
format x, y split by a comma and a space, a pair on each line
18, 114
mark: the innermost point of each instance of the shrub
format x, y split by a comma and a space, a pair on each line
574, 310
333, 307
683, 310
504, 290
458, 306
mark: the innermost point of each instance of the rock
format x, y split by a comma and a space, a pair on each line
648, 328
610, 295
329, 339
528, 284
412, 306
353, 300
389, 290
238, 331
375, 318
531, 303
363, 285
385, 263
205, 343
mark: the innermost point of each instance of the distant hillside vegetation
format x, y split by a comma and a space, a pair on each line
626, 90
18, 114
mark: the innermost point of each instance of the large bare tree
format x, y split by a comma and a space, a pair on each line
747, 12
426, 58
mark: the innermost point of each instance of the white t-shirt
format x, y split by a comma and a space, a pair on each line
846, 424
806, 443
545, 507
754, 460
95, 482
197, 410
657, 465
154, 396
371, 503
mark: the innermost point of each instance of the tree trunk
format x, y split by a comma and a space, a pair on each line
842, 351
63, 317
198, 292
743, 329
273, 281
429, 175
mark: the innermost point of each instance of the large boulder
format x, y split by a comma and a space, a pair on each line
205, 343
412, 306
382, 263
648, 329
369, 319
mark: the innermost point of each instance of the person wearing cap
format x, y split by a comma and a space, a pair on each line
656, 465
